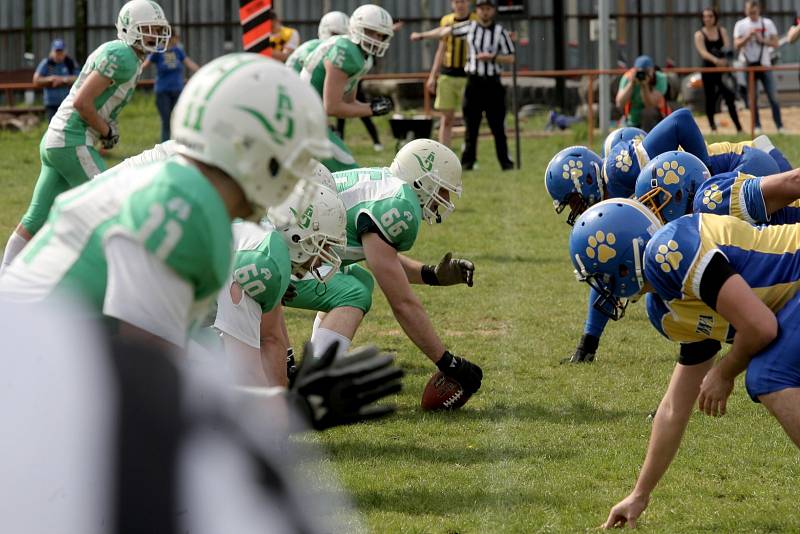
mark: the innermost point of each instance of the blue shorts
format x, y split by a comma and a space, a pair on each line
778, 366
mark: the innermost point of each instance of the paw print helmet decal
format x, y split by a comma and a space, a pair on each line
621, 167
668, 183
607, 246
572, 178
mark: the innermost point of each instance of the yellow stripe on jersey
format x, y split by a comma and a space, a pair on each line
717, 149
692, 320
737, 203
455, 51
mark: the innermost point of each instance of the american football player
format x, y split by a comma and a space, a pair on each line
265, 256
331, 24
104, 87
626, 133
336, 66
676, 183
150, 246
385, 207
722, 280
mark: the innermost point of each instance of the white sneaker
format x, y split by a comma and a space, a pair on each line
757, 131
377, 147
780, 130
763, 143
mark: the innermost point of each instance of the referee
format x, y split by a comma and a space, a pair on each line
488, 48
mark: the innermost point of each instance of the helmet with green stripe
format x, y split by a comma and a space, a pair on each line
256, 120
143, 25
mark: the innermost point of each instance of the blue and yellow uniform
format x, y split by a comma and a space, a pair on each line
768, 258
743, 156
739, 195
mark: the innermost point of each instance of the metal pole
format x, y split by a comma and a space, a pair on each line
514, 103
590, 113
603, 60
751, 99
559, 49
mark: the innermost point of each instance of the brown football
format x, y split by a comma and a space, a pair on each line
443, 393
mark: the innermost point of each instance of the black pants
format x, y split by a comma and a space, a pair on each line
485, 94
713, 86
368, 124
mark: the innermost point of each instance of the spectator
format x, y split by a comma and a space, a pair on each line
712, 43
283, 39
56, 73
753, 37
448, 78
641, 94
169, 79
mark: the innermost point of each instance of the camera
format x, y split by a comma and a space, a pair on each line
641, 75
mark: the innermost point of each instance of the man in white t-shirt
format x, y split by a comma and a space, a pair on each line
754, 37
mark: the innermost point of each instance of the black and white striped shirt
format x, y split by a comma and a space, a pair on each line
493, 39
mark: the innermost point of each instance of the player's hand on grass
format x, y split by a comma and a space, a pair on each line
626, 512
332, 391
111, 138
464, 371
381, 105
714, 392
585, 351
451, 271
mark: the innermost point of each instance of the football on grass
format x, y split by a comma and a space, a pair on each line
443, 393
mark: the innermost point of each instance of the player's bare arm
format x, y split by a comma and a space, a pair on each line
391, 277
274, 345
92, 88
333, 95
756, 326
780, 190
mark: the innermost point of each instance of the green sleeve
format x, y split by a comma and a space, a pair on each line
661, 83
345, 57
396, 219
178, 231
261, 278
117, 62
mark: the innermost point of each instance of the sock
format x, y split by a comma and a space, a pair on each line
323, 338
317, 322
14, 246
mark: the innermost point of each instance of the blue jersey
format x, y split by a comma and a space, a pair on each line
767, 257
53, 96
169, 70
739, 195
733, 157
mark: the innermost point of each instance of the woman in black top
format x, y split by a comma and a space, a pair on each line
711, 42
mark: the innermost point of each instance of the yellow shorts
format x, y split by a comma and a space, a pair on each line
449, 92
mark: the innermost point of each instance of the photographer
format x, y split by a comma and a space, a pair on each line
641, 94
713, 45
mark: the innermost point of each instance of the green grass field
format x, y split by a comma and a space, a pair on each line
542, 447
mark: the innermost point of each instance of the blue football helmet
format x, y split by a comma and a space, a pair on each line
621, 167
668, 183
626, 133
607, 246
572, 179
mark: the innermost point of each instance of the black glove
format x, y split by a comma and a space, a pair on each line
585, 351
381, 105
333, 391
291, 366
291, 292
465, 372
111, 138
449, 272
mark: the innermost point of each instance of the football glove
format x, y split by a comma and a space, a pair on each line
585, 351
451, 271
381, 105
332, 391
462, 370
111, 138
291, 292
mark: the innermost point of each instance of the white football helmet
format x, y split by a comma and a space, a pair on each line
323, 176
255, 119
333, 23
312, 222
143, 25
377, 19
428, 167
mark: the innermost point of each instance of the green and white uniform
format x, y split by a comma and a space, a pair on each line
263, 269
347, 56
375, 200
297, 59
67, 148
149, 245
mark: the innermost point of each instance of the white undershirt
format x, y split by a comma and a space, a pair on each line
144, 292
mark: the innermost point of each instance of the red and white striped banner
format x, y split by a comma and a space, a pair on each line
256, 25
